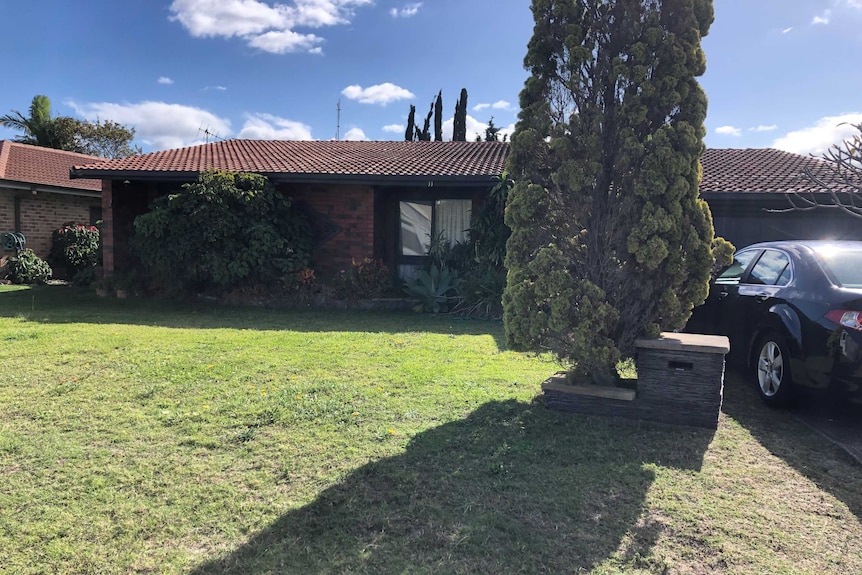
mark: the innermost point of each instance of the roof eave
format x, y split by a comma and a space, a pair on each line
428, 180
49, 189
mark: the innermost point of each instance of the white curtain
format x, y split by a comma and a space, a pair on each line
453, 219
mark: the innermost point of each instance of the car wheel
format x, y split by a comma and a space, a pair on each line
772, 370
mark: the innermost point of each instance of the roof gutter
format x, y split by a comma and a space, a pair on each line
282, 177
49, 189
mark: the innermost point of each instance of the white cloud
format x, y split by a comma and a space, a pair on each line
218, 88
164, 80
817, 139
355, 135
269, 127
378, 94
158, 124
822, 19
855, 4
474, 128
763, 128
284, 41
407, 11
498, 105
787, 30
394, 128
268, 27
728, 131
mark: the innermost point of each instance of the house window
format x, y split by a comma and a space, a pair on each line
422, 220
448, 219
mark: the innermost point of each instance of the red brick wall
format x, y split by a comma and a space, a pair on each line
107, 228
351, 208
41, 214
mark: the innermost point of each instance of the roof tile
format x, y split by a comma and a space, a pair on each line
760, 170
386, 158
43, 166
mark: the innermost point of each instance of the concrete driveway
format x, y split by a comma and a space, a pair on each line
841, 423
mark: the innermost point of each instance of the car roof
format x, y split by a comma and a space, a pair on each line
809, 245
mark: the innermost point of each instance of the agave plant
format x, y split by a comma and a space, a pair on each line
435, 289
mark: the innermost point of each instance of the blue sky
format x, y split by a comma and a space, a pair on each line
781, 73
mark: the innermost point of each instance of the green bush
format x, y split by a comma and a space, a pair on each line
227, 229
75, 248
483, 291
28, 268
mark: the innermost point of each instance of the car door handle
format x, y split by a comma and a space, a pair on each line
761, 297
722, 295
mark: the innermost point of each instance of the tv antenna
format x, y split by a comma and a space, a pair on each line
338, 121
208, 133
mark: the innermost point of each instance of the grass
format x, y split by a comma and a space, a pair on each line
151, 437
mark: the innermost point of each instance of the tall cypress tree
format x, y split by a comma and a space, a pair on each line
438, 117
610, 239
409, 133
459, 124
425, 134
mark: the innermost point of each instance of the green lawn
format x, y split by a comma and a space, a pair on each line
150, 437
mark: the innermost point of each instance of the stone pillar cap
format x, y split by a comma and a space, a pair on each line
697, 342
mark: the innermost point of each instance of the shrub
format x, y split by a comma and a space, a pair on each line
371, 278
28, 268
225, 230
366, 279
436, 290
483, 291
75, 248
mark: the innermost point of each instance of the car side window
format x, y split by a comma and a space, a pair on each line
773, 268
733, 273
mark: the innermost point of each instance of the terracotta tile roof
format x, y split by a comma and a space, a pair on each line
26, 164
754, 170
318, 159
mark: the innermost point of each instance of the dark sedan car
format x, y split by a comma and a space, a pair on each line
793, 313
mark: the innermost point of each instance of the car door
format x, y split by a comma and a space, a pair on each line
713, 316
758, 290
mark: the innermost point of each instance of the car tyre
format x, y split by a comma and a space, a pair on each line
772, 370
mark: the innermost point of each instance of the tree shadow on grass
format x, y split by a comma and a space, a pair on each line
786, 437
512, 488
63, 304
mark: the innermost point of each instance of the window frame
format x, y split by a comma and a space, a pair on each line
402, 259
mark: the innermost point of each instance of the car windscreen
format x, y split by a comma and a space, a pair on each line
844, 267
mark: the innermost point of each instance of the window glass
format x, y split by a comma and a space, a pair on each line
733, 272
845, 266
770, 269
415, 228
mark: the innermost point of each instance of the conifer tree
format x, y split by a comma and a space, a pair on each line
425, 134
438, 117
610, 239
410, 132
459, 124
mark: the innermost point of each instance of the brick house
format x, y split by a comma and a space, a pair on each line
37, 195
363, 199
383, 199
